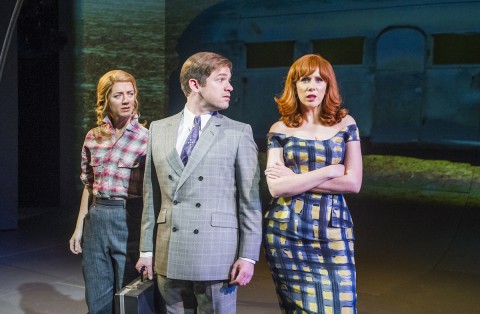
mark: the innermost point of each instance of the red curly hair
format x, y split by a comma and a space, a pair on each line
331, 111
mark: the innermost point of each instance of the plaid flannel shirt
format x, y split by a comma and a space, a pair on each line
112, 167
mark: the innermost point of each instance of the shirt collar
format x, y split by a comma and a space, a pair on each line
188, 117
132, 126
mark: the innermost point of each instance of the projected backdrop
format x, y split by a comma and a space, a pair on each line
120, 34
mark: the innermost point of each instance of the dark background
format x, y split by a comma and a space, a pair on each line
416, 217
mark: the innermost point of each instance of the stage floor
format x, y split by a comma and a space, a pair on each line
412, 257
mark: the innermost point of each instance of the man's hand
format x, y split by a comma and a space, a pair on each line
242, 272
147, 262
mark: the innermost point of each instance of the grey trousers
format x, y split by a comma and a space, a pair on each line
110, 250
202, 297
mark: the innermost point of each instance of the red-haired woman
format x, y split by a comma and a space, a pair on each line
314, 157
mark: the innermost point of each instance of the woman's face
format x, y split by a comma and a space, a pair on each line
122, 100
311, 89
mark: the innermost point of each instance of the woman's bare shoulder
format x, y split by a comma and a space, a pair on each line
347, 120
278, 127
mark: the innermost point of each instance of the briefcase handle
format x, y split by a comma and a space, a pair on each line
142, 273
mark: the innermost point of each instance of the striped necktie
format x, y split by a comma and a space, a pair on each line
191, 140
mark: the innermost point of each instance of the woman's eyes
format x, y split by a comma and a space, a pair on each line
130, 94
307, 79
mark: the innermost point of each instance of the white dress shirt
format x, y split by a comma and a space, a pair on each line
186, 127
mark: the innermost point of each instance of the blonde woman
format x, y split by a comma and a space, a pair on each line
113, 162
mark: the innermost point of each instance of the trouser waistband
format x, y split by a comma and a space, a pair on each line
117, 202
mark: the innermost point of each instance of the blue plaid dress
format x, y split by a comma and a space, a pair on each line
308, 238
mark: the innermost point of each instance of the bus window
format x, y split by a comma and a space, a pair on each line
456, 49
340, 50
270, 54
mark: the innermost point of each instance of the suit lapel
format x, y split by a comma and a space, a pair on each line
170, 140
206, 140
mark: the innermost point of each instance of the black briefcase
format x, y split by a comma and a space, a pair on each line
139, 297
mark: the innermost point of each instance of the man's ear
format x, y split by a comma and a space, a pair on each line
194, 85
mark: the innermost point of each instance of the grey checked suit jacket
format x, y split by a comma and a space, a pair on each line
208, 213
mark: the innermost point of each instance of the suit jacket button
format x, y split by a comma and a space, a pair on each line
175, 202
195, 231
174, 229
200, 178
198, 205
170, 177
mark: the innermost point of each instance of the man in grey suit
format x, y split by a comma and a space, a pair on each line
201, 194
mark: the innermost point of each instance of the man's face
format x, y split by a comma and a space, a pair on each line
217, 89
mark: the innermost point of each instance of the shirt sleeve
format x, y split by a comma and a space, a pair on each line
87, 171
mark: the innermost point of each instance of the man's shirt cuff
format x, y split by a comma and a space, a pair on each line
146, 254
248, 260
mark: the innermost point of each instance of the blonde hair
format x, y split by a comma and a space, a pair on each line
104, 90
199, 67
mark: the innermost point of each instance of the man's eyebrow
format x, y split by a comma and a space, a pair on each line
224, 75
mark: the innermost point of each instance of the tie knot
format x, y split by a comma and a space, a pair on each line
196, 120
